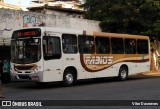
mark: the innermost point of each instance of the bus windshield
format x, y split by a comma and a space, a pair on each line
26, 50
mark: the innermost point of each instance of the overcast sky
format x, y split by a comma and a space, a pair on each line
22, 3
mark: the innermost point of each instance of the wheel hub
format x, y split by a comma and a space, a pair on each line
69, 78
123, 74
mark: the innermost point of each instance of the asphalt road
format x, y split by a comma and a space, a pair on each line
135, 88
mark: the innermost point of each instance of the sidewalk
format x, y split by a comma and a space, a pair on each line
152, 73
148, 74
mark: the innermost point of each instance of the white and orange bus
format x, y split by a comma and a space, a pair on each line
45, 54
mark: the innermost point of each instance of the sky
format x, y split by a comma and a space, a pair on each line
22, 3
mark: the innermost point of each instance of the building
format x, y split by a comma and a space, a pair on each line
67, 8
5, 48
9, 6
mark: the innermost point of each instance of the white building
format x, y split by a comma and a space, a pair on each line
67, 8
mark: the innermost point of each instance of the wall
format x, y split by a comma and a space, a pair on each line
62, 13
11, 20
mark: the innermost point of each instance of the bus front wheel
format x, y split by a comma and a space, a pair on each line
123, 73
68, 77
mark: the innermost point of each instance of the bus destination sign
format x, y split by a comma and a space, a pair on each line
27, 33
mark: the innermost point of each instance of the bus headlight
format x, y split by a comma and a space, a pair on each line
11, 70
36, 71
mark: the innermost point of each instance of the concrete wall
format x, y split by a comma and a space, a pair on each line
11, 20
63, 13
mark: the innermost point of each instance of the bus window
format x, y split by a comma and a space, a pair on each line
32, 48
51, 48
69, 42
86, 44
117, 45
142, 46
102, 45
130, 46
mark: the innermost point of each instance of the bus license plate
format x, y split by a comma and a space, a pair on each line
34, 78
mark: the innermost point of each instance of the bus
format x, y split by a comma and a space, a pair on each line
46, 54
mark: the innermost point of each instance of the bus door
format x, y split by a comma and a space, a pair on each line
52, 61
143, 54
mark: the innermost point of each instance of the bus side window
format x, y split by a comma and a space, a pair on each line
130, 46
44, 49
102, 45
142, 46
117, 45
69, 42
86, 44
51, 47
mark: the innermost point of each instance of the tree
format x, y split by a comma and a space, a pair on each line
125, 16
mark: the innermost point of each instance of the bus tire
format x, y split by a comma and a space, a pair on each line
69, 78
123, 73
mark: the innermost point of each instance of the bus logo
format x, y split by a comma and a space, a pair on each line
98, 60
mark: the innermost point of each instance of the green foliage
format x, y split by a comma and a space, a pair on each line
125, 16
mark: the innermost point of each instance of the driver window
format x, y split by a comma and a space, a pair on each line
51, 47
69, 42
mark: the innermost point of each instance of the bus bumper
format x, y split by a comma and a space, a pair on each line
25, 77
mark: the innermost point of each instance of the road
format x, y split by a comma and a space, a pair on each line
135, 88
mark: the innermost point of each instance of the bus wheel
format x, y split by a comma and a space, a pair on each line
68, 77
123, 73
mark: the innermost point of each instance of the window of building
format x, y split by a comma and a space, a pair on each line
69, 42
102, 45
86, 44
117, 45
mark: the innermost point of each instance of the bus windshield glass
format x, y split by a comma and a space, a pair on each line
25, 50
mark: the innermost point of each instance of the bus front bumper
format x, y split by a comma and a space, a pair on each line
25, 77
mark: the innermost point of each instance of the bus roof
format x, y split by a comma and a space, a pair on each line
49, 30
119, 35
62, 30
55, 30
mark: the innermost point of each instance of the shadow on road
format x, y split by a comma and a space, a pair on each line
33, 85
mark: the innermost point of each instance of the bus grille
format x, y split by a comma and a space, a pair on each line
23, 67
23, 76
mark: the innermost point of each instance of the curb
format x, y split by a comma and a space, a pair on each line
153, 73
147, 74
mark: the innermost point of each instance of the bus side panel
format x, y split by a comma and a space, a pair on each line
52, 70
143, 65
135, 63
73, 61
108, 72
